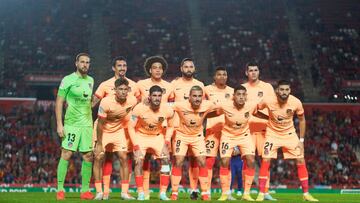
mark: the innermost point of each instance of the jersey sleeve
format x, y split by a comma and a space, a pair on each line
100, 91
299, 109
261, 105
103, 109
64, 87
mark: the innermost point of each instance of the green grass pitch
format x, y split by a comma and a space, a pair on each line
115, 197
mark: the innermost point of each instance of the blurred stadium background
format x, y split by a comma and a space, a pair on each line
315, 44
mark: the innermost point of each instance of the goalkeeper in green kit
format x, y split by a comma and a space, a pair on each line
76, 133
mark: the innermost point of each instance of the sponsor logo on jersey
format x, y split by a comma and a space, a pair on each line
289, 112
260, 94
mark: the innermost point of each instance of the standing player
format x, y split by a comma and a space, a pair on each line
147, 132
281, 133
106, 88
189, 135
155, 67
217, 92
76, 133
113, 116
236, 133
257, 90
182, 86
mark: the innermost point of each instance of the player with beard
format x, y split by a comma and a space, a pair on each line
76, 133
281, 133
147, 131
189, 135
106, 88
182, 86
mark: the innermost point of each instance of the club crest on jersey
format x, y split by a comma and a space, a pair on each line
260, 94
223, 151
161, 119
133, 117
266, 151
177, 150
227, 95
70, 144
289, 112
208, 151
128, 109
163, 90
247, 115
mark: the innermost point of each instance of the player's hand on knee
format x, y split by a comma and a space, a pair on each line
60, 130
138, 156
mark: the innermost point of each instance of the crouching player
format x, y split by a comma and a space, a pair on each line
147, 133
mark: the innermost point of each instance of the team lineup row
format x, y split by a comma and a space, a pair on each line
166, 120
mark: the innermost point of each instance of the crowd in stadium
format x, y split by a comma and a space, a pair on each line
41, 151
233, 38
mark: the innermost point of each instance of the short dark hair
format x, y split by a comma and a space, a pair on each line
240, 87
220, 68
121, 81
118, 58
251, 63
80, 55
155, 88
196, 88
153, 59
283, 82
184, 60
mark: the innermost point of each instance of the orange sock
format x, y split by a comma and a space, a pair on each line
193, 174
146, 176
164, 182
209, 164
203, 178
249, 177
224, 179
107, 169
263, 175
139, 183
267, 183
244, 166
175, 178
229, 180
98, 186
106, 181
303, 177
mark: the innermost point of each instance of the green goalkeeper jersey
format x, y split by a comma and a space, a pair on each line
77, 91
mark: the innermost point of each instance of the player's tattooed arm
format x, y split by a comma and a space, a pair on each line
94, 101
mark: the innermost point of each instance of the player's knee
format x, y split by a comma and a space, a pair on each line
300, 161
66, 154
88, 156
225, 162
201, 161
